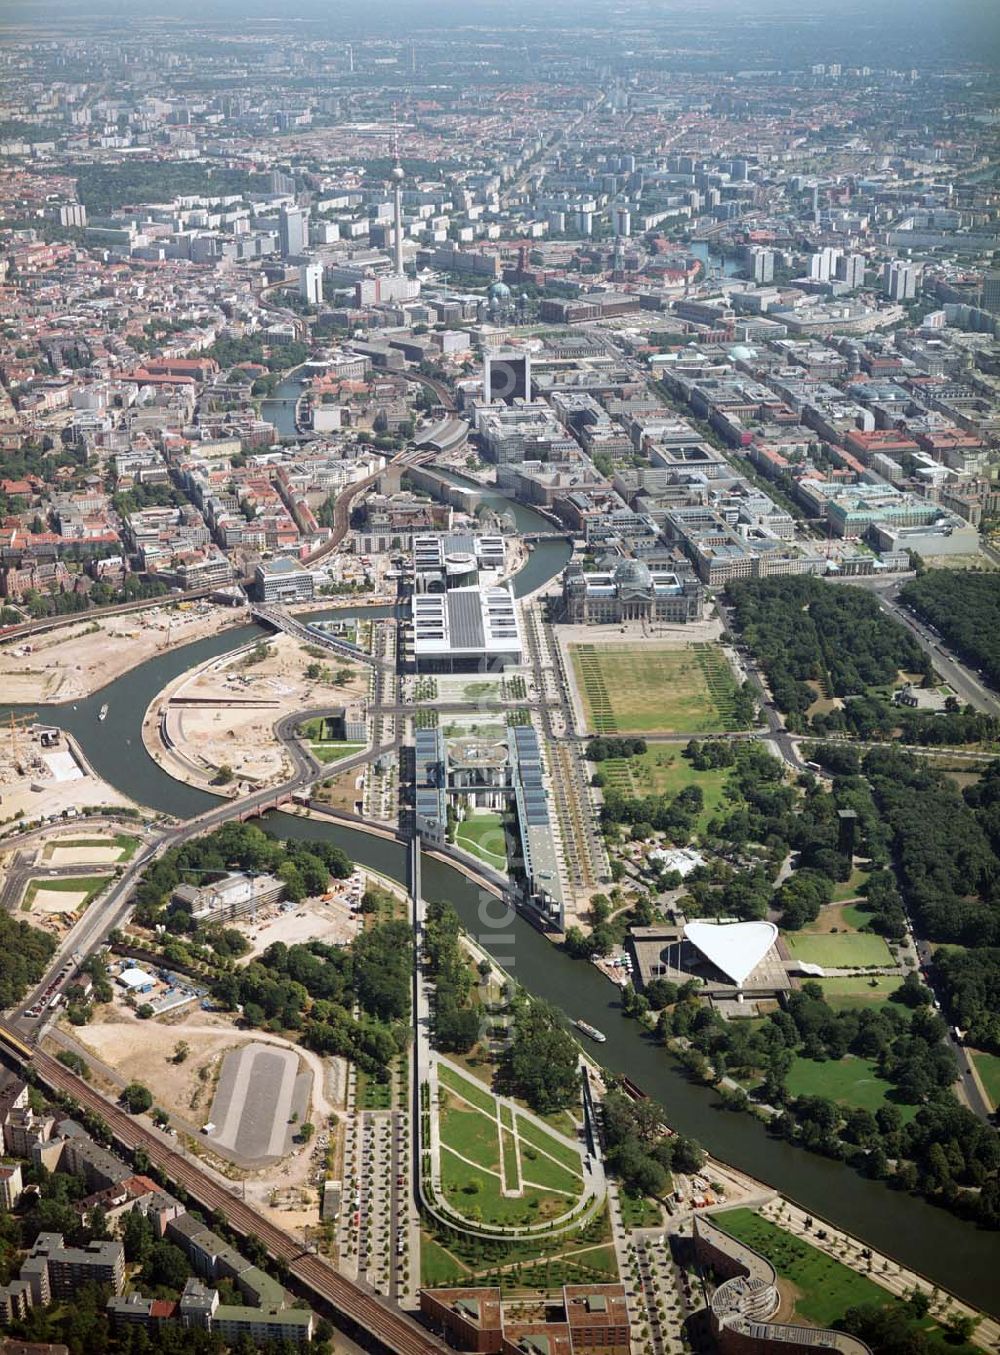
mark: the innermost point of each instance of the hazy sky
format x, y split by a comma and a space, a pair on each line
868, 31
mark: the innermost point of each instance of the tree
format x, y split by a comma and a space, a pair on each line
166, 1265
138, 1236
541, 1061
136, 1098
306, 1131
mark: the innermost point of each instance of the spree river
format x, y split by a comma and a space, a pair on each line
947, 1251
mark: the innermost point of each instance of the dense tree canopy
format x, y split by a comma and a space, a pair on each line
965, 608
24, 954
541, 1063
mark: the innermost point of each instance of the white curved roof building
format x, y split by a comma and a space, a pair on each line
734, 948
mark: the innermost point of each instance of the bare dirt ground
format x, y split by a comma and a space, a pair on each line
45, 782
343, 791
83, 856
58, 900
145, 1051
75, 661
239, 701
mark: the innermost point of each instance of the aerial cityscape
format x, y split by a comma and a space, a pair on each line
500, 678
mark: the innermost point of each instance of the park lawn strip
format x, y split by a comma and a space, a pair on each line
988, 1068
476, 1096
471, 1135
840, 950
333, 752
531, 1133
861, 991
511, 1165
826, 1287
849, 1081
476, 830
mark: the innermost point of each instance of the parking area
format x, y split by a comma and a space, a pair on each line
374, 1234
260, 1098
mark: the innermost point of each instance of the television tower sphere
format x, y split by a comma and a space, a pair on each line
396, 173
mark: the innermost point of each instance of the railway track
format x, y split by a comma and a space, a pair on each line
390, 1327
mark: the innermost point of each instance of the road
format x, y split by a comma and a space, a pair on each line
971, 1088
967, 685
776, 731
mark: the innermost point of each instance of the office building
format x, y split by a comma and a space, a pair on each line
822, 265
234, 896
311, 283
283, 580
899, 280
292, 231
468, 629
745, 1299
506, 376
991, 293
851, 269
591, 1319
761, 265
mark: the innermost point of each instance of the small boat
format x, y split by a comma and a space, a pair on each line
592, 1031
102, 714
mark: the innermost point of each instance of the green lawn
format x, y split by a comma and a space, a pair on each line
372, 1094
438, 1268
849, 1081
842, 993
333, 752
848, 889
825, 1287
638, 1212
471, 1135
475, 1094
988, 1068
562, 1152
88, 885
483, 835
542, 1171
842, 950
661, 770
477, 1195
471, 1144
645, 688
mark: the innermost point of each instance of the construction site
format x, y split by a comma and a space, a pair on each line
77, 660
44, 776
215, 727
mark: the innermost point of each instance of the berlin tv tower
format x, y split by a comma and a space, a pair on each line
396, 174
